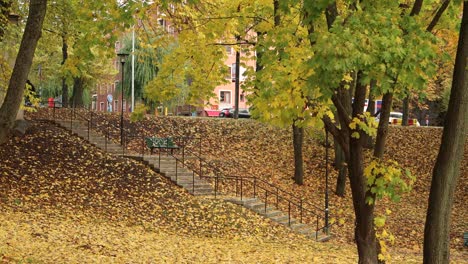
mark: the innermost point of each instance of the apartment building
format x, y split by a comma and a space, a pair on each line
105, 97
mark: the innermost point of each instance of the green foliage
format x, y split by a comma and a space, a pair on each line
365, 123
139, 113
386, 179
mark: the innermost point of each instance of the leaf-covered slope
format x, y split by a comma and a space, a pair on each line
49, 169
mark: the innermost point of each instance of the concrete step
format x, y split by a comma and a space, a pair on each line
270, 212
286, 221
180, 175
280, 218
255, 205
200, 185
201, 191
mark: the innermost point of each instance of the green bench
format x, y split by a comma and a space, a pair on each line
160, 143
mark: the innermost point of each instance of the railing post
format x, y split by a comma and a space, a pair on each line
216, 185
300, 205
107, 136
183, 152
289, 213
176, 163
277, 197
199, 158
316, 229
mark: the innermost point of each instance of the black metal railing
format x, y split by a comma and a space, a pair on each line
241, 186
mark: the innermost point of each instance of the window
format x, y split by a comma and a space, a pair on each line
225, 97
228, 50
101, 106
242, 97
116, 104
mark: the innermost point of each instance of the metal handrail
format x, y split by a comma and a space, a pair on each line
257, 183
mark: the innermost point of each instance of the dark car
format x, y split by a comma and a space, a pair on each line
229, 112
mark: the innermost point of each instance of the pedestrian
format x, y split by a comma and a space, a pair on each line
427, 120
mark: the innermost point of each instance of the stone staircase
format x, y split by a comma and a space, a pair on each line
185, 178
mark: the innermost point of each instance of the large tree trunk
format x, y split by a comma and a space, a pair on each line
340, 165
298, 138
78, 88
364, 231
64, 82
447, 168
14, 96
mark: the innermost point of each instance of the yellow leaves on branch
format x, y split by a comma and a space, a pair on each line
385, 179
364, 122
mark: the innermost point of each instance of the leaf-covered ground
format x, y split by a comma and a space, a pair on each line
249, 148
61, 193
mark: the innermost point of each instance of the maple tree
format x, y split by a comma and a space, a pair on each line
313, 65
17, 83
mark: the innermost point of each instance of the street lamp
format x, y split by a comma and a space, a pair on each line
122, 57
327, 146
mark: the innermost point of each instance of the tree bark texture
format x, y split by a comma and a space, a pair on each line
340, 165
382, 130
14, 95
298, 138
78, 89
64, 81
364, 231
446, 171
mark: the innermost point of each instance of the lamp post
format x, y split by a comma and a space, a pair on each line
327, 146
122, 57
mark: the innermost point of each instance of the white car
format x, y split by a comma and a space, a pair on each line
397, 117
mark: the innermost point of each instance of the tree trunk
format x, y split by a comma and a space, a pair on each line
404, 121
369, 141
340, 165
14, 95
364, 231
447, 168
382, 130
78, 88
64, 82
298, 138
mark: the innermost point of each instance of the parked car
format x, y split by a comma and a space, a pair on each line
229, 112
396, 118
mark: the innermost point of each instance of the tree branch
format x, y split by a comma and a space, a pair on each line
437, 16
